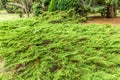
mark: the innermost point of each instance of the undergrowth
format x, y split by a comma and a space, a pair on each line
37, 50
62, 16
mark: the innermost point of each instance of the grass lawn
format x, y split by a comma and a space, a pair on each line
4, 16
7, 17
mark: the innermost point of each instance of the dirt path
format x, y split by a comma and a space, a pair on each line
103, 20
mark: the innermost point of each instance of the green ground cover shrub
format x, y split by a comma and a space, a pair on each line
62, 16
36, 50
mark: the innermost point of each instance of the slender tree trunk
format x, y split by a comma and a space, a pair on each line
111, 10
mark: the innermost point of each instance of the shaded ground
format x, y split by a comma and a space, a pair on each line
103, 20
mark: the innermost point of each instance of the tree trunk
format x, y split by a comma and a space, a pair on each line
111, 10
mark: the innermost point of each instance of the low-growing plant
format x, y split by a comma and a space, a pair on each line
36, 50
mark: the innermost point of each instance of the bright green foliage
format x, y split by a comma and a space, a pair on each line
66, 4
37, 50
52, 6
36, 8
111, 1
62, 16
62, 4
107, 8
1, 5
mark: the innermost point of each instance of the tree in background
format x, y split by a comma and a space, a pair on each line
111, 8
36, 8
46, 4
62, 4
23, 4
4, 2
107, 8
27, 6
1, 6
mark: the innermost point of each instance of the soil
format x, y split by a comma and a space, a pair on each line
103, 20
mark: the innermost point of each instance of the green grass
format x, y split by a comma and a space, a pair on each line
3, 11
35, 49
4, 16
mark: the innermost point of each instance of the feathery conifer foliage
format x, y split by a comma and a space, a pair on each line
37, 50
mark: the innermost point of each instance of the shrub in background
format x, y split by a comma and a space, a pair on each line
62, 4
36, 8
